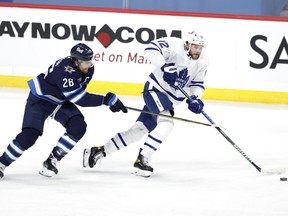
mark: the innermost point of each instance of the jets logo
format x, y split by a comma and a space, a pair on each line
69, 69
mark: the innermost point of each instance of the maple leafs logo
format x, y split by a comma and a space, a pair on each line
183, 77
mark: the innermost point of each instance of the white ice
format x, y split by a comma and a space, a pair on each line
196, 170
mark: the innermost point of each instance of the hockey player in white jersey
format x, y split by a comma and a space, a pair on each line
177, 62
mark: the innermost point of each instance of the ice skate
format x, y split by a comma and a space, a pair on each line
93, 156
142, 167
2, 168
49, 167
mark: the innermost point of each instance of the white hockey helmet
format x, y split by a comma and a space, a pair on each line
194, 38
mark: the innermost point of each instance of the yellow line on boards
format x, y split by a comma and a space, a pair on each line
135, 89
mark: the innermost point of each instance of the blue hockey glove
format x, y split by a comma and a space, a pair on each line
115, 105
170, 73
195, 105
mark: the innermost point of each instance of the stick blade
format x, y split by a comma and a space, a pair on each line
275, 171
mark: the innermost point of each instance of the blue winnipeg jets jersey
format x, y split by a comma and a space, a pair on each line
65, 82
191, 73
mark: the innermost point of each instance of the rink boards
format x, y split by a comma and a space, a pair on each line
248, 61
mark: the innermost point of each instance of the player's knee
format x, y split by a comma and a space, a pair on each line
164, 127
136, 132
76, 127
27, 137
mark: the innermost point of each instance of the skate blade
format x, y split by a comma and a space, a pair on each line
86, 154
142, 173
47, 173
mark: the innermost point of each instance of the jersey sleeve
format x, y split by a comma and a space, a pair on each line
197, 84
158, 51
89, 100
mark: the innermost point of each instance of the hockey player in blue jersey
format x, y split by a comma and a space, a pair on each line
177, 62
55, 94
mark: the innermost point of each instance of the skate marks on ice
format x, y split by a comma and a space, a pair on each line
196, 172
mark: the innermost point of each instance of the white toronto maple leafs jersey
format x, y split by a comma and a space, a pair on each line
191, 73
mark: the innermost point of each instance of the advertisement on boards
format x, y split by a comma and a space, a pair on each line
244, 54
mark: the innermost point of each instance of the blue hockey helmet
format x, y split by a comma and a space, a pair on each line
82, 52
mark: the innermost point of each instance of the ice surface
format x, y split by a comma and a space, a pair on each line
196, 171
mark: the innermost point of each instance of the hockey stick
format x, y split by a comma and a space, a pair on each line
171, 117
263, 171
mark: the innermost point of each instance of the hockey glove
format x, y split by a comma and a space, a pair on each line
195, 105
115, 105
170, 73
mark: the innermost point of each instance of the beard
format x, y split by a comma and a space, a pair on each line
195, 56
